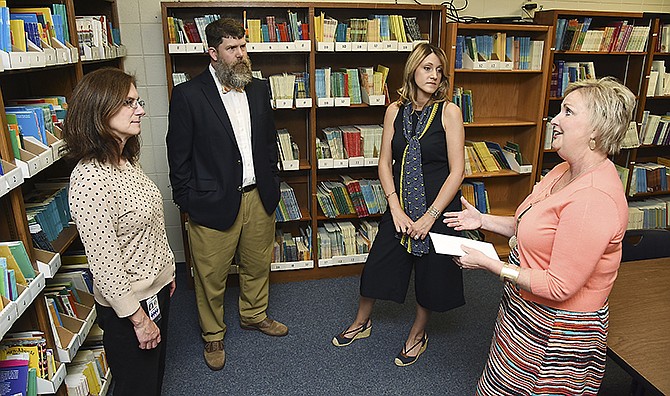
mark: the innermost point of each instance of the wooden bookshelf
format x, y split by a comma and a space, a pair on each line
35, 81
507, 106
305, 124
631, 68
627, 67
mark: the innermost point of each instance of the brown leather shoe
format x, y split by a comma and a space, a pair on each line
267, 326
215, 356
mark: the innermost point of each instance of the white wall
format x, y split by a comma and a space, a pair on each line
141, 32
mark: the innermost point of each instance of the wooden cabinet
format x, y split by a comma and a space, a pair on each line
58, 77
507, 107
305, 124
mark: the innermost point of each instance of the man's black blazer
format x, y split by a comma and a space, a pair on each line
205, 162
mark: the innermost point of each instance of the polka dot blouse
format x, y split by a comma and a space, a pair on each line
119, 215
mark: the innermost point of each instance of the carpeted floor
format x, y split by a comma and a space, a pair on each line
306, 363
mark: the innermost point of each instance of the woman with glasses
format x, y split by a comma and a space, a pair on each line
118, 211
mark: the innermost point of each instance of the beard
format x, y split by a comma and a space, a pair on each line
236, 75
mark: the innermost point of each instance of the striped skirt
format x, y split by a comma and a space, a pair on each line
537, 350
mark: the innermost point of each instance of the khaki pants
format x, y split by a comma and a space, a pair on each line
249, 239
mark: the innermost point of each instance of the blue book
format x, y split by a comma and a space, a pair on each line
460, 45
30, 120
14, 376
11, 282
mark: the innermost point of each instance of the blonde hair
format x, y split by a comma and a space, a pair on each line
611, 104
408, 90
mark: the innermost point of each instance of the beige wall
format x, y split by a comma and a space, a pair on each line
141, 32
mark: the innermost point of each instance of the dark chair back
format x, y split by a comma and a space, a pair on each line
645, 244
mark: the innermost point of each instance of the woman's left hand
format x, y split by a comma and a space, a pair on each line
473, 259
173, 286
421, 227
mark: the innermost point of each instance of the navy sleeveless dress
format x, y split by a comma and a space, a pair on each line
438, 280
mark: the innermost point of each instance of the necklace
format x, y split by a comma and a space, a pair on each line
513, 239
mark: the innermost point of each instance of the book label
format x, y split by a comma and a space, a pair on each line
283, 103
342, 46
340, 163
356, 161
176, 48
322, 46
389, 46
303, 45
303, 103
290, 165
359, 46
371, 161
325, 102
325, 163
343, 101
375, 46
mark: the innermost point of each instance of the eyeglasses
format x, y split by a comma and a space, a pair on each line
133, 103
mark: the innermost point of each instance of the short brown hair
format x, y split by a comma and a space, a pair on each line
611, 104
409, 88
223, 28
98, 97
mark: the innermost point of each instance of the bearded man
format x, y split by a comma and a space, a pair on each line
222, 155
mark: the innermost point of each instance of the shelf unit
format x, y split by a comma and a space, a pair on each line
304, 124
57, 79
627, 67
657, 104
507, 106
631, 68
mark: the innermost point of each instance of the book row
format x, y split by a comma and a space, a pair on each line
618, 36
359, 85
351, 197
463, 98
650, 213
16, 271
498, 51
486, 156
39, 36
344, 239
564, 72
655, 129
24, 357
349, 142
659, 79
649, 177
88, 374
288, 208
375, 28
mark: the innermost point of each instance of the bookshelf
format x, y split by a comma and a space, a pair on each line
634, 65
507, 107
305, 124
55, 70
626, 66
654, 101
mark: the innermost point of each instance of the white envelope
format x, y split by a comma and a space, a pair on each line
449, 244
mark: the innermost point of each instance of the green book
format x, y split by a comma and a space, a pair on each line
21, 256
32, 382
16, 144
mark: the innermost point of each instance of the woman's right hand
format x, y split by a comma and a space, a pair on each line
147, 332
401, 221
467, 219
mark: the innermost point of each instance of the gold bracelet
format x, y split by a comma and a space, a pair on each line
509, 273
433, 212
389, 194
